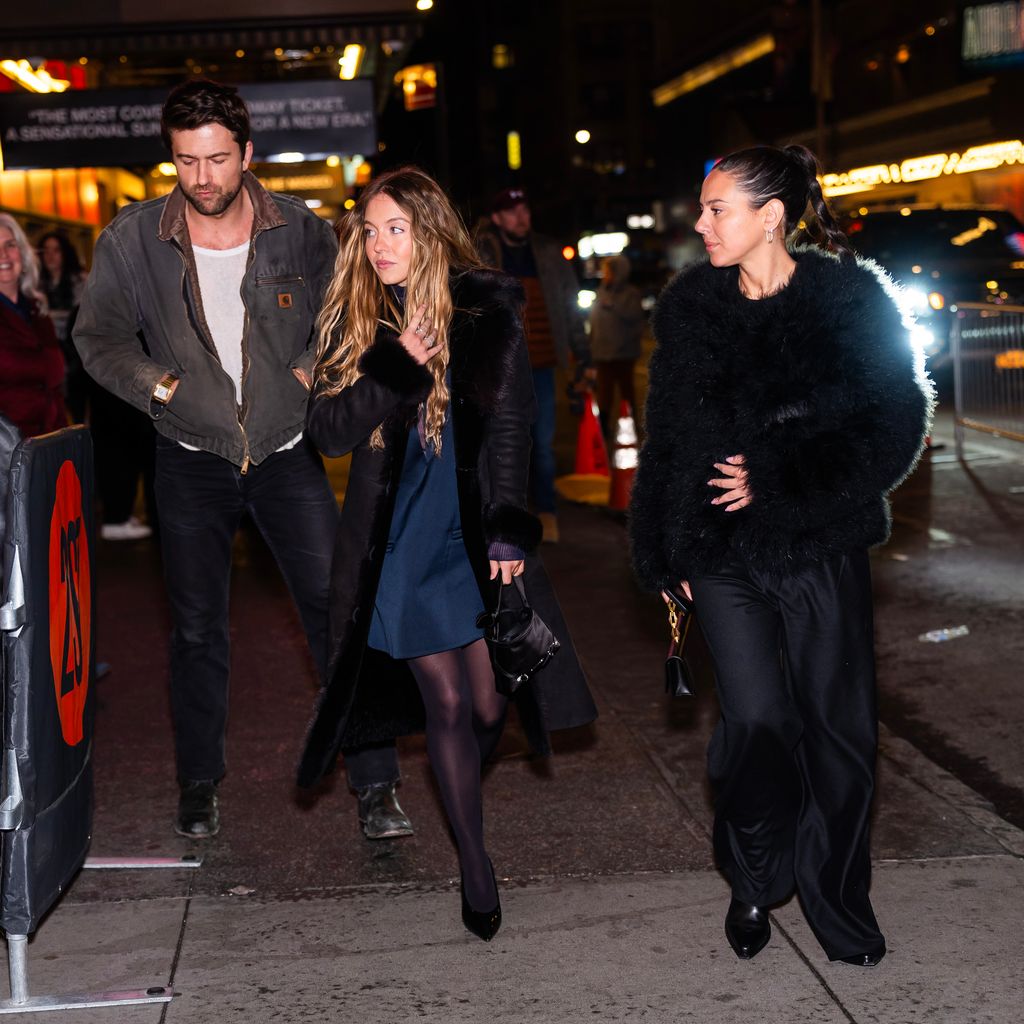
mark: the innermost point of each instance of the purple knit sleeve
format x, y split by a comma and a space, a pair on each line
500, 551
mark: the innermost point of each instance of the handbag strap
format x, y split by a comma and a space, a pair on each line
676, 617
519, 585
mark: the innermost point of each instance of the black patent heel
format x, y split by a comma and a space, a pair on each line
483, 924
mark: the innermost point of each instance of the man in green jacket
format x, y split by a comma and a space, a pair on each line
200, 310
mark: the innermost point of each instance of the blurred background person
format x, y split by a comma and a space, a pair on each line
616, 331
122, 437
554, 330
124, 452
61, 279
31, 364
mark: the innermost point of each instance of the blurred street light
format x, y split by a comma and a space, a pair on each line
350, 60
514, 149
583, 136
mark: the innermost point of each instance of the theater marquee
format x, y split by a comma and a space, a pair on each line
121, 128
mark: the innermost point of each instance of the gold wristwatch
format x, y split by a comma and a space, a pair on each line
164, 388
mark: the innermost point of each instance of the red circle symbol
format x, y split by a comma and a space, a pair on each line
70, 604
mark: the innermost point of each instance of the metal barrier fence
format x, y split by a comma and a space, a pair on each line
988, 370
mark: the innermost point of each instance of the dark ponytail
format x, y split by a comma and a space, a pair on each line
791, 176
832, 237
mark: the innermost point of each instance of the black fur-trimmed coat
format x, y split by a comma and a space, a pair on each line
369, 696
818, 386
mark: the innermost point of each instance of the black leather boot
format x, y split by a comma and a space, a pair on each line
380, 813
747, 929
198, 817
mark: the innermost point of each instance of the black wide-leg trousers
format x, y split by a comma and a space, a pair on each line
792, 759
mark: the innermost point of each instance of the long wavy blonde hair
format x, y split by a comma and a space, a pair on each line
357, 302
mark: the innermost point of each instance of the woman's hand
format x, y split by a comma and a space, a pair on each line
507, 569
734, 483
684, 586
419, 339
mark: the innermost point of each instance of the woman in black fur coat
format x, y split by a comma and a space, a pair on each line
785, 403
422, 374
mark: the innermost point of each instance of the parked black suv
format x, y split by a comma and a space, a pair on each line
944, 255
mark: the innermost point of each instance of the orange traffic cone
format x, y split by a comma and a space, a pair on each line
591, 454
624, 460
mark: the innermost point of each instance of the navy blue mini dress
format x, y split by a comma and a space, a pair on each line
428, 599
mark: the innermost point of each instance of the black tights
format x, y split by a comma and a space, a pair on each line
465, 715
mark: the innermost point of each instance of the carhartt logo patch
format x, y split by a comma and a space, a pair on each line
284, 300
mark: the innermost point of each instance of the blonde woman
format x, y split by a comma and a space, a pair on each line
31, 364
422, 374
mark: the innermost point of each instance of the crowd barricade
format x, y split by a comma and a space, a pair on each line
47, 622
988, 370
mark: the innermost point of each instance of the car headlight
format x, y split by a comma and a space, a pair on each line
917, 300
923, 339
585, 298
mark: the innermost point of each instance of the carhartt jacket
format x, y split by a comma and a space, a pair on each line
142, 317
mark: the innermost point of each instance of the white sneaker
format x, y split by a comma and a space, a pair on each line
130, 529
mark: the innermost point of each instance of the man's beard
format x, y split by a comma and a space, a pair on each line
217, 203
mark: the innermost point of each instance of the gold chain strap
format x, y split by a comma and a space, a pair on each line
673, 623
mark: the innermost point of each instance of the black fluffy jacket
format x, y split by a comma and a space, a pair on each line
817, 386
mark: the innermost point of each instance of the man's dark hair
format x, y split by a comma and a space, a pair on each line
194, 104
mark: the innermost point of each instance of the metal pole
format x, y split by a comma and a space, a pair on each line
958, 387
17, 956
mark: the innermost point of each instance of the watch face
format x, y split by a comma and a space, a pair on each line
161, 392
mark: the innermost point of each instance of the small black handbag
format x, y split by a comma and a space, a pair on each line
519, 642
678, 678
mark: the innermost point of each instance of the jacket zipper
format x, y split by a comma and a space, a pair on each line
245, 352
262, 282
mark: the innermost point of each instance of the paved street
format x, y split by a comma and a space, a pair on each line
613, 909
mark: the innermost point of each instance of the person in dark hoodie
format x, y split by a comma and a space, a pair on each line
422, 373
786, 401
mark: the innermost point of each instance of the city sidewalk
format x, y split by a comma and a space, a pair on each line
613, 910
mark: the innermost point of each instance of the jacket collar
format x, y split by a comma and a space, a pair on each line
265, 212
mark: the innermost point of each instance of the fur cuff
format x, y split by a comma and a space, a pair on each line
506, 524
388, 363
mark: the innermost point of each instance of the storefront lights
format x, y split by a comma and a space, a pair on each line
922, 168
609, 244
34, 80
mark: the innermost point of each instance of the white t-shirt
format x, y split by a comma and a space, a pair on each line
220, 286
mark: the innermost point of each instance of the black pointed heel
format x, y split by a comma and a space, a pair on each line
747, 929
483, 924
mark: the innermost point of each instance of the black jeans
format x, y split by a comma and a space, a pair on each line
201, 500
793, 758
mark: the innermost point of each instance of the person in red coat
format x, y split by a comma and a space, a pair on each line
31, 363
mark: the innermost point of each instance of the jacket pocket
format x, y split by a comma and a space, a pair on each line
266, 282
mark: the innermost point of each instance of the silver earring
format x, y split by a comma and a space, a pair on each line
770, 235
